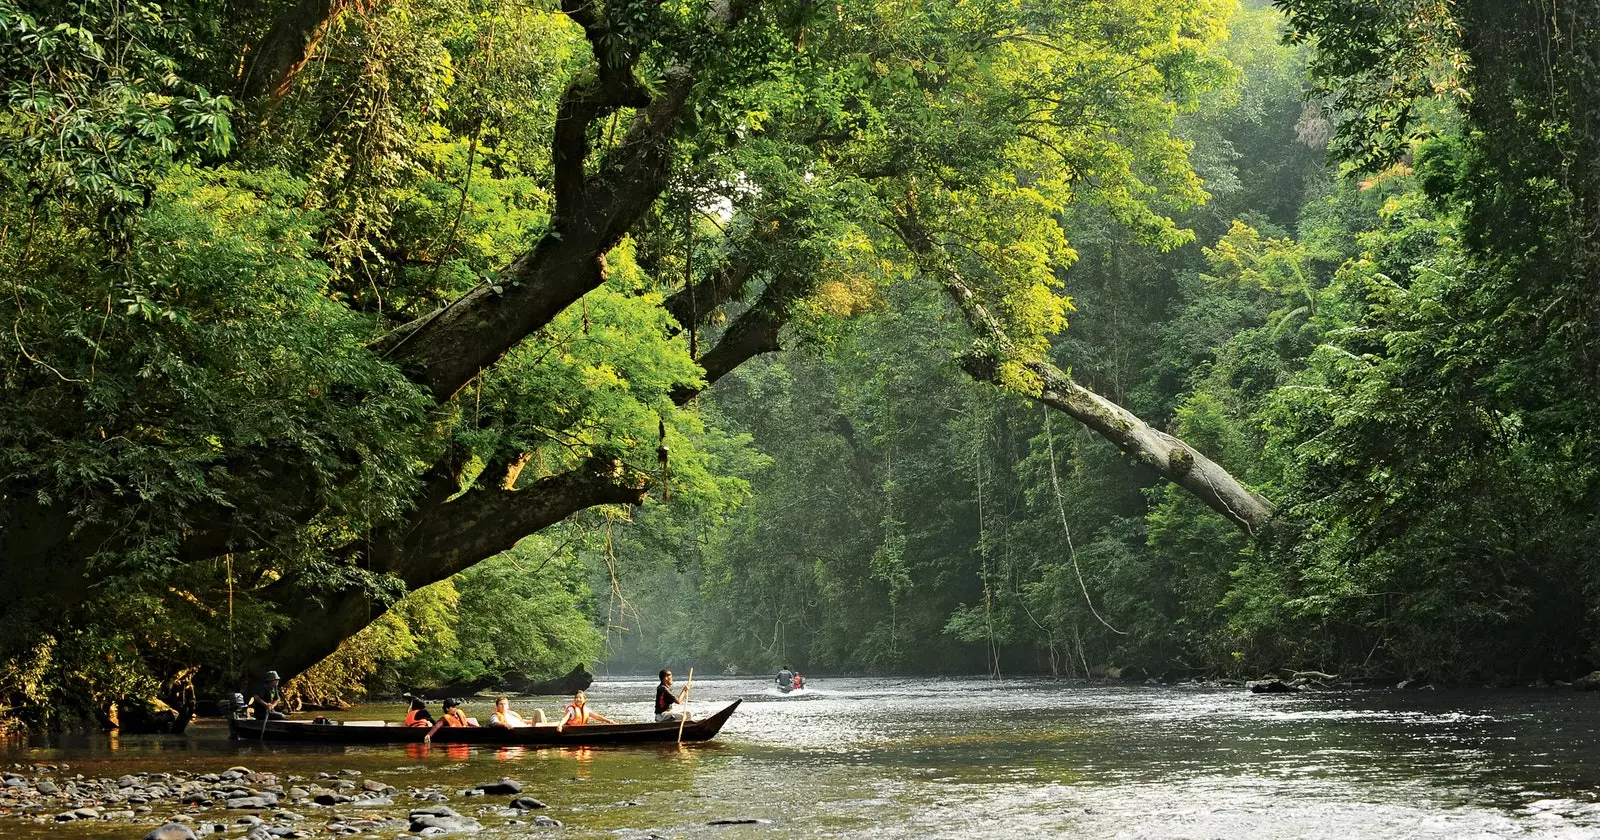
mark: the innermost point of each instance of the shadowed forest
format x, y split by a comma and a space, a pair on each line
409, 343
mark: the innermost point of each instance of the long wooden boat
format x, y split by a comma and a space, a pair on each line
373, 732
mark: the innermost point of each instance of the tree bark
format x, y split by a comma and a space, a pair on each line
288, 45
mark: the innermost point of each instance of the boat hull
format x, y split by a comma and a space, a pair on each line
305, 732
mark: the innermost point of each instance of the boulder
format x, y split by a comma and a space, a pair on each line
527, 803
502, 786
433, 811
448, 824
171, 831
1272, 686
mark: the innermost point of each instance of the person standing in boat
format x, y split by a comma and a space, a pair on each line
505, 718
268, 698
578, 713
666, 699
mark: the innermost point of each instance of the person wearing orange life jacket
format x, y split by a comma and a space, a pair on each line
418, 714
453, 716
578, 713
507, 718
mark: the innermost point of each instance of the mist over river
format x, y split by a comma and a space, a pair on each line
921, 758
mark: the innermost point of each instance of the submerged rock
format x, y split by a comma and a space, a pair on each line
1269, 687
502, 786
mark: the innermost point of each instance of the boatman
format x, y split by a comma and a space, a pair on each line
268, 698
786, 679
666, 700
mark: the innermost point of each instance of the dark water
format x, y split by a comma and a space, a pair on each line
978, 759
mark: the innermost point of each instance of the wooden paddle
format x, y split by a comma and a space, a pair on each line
685, 701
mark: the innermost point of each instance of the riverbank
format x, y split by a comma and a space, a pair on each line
260, 806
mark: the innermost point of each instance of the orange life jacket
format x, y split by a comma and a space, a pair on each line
578, 715
455, 717
413, 720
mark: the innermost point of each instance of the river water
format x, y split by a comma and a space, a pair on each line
905, 758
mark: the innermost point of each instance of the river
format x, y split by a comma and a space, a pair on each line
920, 758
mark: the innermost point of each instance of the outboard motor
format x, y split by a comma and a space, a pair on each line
237, 705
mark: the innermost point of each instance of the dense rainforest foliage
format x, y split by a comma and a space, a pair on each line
415, 341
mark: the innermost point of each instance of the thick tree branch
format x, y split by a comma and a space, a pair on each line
1168, 456
443, 350
457, 535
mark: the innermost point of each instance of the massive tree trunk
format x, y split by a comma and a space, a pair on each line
1168, 456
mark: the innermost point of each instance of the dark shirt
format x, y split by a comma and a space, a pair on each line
664, 698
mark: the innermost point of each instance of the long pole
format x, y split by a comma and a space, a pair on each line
685, 719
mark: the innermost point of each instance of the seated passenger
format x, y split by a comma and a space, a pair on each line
419, 714
453, 716
506, 718
578, 713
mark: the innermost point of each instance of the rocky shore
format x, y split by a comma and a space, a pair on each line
260, 806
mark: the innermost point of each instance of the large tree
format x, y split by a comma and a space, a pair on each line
467, 263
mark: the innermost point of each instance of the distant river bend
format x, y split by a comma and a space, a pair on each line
904, 758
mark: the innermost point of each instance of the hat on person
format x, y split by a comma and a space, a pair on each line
272, 675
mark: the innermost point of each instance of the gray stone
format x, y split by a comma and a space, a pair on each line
433, 811
288, 815
543, 821
330, 799
451, 824
252, 803
248, 819
349, 772
66, 816
87, 814
259, 832
502, 786
171, 831
374, 802
527, 803
47, 787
